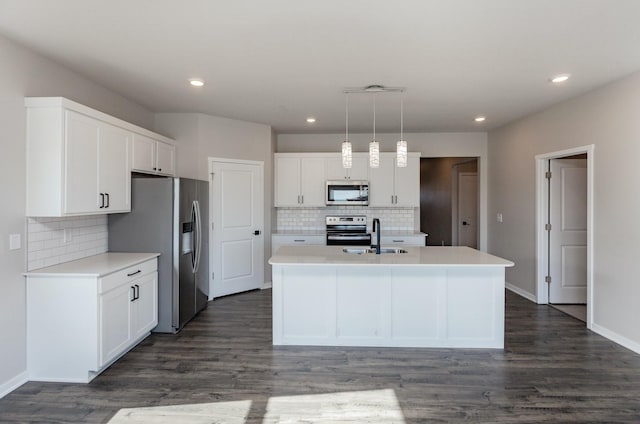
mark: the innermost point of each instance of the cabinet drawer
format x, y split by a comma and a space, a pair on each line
299, 240
126, 276
403, 240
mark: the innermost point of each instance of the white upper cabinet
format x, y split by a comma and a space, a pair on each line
79, 159
358, 171
299, 181
390, 186
152, 156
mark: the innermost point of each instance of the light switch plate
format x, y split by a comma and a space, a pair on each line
499, 217
15, 241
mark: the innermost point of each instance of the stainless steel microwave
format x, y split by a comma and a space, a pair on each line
347, 192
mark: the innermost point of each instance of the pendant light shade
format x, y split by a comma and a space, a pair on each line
374, 146
401, 154
347, 154
401, 149
374, 154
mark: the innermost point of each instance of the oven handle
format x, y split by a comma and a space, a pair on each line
348, 237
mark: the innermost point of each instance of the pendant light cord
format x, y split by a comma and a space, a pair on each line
374, 116
402, 116
347, 120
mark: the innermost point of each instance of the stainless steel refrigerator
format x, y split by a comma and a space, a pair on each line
169, 216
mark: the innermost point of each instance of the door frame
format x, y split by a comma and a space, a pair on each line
542, 210
212, 240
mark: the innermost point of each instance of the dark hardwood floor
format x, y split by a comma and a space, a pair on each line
552, 370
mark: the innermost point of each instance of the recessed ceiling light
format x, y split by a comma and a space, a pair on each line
196, 82
311, 120
559, 78
480, 118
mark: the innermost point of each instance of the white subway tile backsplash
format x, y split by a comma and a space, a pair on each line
313, 219
46, 245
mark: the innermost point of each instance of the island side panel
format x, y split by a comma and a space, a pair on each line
408, 306
304, 305
475, 307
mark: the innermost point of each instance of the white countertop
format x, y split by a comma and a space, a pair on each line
93, 266
431, 256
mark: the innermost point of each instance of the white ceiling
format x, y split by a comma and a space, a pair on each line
278, 61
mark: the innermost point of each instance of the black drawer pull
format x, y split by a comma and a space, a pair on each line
398, 241
299, 241
134, 273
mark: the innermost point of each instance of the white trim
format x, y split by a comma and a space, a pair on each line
615, 337
13, 383
523, 293
542, 295
266, 285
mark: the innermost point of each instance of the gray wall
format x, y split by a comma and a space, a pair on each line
608, 119
24, 73
200, 136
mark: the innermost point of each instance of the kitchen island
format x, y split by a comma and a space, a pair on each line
423, 297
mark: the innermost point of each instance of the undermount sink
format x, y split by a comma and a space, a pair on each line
361, 251
391, 250
357, 251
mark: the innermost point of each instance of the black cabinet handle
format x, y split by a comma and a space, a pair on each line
134, 293
159, 169
137, 291
134, 273
107, 196
101, 200
154, 168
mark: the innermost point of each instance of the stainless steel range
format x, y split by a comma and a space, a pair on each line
347, 230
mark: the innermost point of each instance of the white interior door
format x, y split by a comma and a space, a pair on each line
568, 235
237, 217
468, 209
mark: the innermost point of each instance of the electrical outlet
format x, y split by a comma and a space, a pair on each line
499, 217
66, 235
15, 241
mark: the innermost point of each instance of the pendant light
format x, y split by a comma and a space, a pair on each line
374, 146
347, 156
401, 151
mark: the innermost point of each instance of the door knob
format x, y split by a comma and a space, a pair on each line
256, 233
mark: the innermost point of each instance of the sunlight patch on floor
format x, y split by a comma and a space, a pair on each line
200, 413
371, 406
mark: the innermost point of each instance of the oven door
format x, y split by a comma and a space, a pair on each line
344, 239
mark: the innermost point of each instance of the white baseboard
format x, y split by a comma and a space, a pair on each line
520, 292
266, 285
615, 337
9, 386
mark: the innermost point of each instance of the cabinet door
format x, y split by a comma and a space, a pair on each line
115, 322
407, 184
312, 182
145, 307
359, 168
334, 169
81, 162
143, 153
381, 190
114, 175
165, 158
287, 181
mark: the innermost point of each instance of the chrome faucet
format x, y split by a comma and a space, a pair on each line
376, 228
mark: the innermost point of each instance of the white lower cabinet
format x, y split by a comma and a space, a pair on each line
406, 240
80, 324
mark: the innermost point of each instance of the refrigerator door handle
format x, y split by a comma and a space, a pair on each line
198, 234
